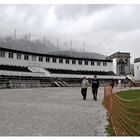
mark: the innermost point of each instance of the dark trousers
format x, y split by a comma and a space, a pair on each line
94, 92
84, 93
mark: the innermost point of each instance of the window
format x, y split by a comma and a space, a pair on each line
18, 56
26, 57
2, 54
92, 63
98, 63
47, 59
73, 61
11, 55
86, 62
67, 61
60, 60
104, 64
54, 60
80, 62
33, 58
40, 58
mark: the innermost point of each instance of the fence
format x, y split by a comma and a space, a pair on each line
25, 84
123, 114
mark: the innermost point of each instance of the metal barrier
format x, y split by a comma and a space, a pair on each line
26, 84
123, 114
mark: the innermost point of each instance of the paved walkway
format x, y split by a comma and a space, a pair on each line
51, 112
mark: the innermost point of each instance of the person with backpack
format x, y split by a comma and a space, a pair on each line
84, 86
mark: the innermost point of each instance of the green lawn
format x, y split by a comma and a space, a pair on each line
133, 97
109, 128
130, 94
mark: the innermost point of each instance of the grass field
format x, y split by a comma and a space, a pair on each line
127, 104
133, 97
130, 109
130, 94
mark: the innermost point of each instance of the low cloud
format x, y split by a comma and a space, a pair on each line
104, 28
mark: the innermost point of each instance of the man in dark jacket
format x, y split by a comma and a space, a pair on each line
95, 85
112, 83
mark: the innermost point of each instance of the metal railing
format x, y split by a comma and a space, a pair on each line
24, 84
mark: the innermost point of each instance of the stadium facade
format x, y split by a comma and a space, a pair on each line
121, 63
61, 64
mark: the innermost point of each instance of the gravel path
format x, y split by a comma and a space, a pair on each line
51, 112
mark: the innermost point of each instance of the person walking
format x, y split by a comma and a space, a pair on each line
95, 86
112, 83
84, 86
119, 84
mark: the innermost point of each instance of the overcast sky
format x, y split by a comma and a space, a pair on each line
104, 28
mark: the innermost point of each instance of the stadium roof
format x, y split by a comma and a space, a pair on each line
40, 48
26, 45
137, 60
79, 54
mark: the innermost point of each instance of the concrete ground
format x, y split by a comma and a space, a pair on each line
51, 112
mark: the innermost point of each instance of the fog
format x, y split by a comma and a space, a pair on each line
103, 28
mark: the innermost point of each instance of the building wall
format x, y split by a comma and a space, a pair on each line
21, 62
126, 66
121, 63
137, 70
115, 65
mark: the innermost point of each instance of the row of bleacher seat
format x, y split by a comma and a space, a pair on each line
56, 71
80, 72
14, 68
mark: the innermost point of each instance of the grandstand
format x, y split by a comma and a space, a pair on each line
60, 68
14, 68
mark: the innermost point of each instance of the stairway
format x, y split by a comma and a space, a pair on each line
131, 78
38, 69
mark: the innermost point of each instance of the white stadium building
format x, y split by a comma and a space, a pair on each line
21, 62
137, 68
